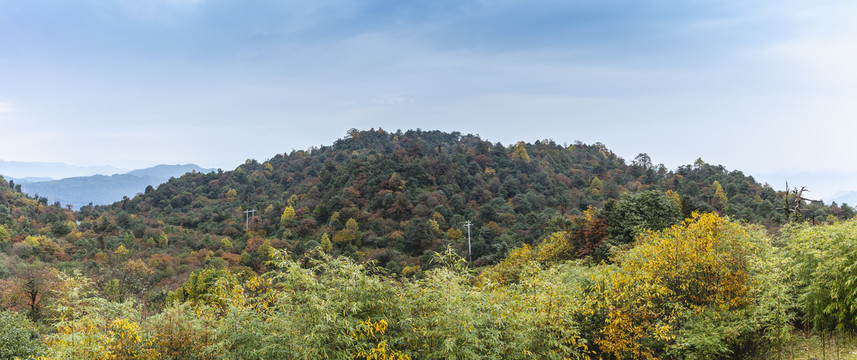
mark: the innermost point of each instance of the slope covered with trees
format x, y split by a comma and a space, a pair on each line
357, 250
392, 197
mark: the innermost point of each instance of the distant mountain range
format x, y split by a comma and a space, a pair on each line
100, 189
845, 197
828, 186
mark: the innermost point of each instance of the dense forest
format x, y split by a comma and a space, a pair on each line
425, 244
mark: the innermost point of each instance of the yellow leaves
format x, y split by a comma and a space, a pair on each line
719, 198
589, 214
434, 225
520, 152
123, 329
92, 337
225, 244
4, 235
596, 185
288, 216
34, 240
556, 247
703, 263
455, 234
231, 195
675, 197
326, 245
372, 331
121, 251
351, 224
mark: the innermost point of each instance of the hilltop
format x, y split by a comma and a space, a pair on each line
395, 197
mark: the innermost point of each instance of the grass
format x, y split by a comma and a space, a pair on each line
808, 345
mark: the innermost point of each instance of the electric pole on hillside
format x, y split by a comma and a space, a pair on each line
469, 254
248, 212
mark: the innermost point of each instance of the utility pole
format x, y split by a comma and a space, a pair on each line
469, 254
248, 212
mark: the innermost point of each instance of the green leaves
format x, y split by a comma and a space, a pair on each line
822, 260
17, 336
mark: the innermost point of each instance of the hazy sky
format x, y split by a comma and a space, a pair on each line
760, 86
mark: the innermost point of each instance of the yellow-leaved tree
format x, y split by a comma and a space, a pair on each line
4, 235
520, 152
719, 199
350, 234
682, 290
288, 216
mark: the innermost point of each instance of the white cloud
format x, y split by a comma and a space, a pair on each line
825, 49
7, 107
826, 59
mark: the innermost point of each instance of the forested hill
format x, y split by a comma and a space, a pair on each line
394, 196
21, 215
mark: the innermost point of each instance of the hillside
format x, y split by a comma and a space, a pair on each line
395, 197
22, 216
576, 253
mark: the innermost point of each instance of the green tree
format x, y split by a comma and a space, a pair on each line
225, 244
637, 212
596, 185
418, 235
17, 336
183, 331
163, 240
350, 234
326, 246
823, 272
4, 235
210, 286
351, 224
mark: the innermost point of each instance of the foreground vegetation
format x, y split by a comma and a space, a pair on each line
707, 288
357, 251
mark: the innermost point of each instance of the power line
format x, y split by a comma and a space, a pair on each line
469, 254
248, 212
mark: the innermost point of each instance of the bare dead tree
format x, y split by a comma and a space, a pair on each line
786, 206
797, 200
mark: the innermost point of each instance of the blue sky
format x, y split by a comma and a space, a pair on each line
760, 86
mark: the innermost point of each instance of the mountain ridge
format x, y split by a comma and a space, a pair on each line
103, 189
392, 197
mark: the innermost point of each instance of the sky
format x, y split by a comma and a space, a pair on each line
765, 87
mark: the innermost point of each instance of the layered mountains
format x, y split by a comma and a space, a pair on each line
99, 189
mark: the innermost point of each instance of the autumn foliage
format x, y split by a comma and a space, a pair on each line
357, 250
